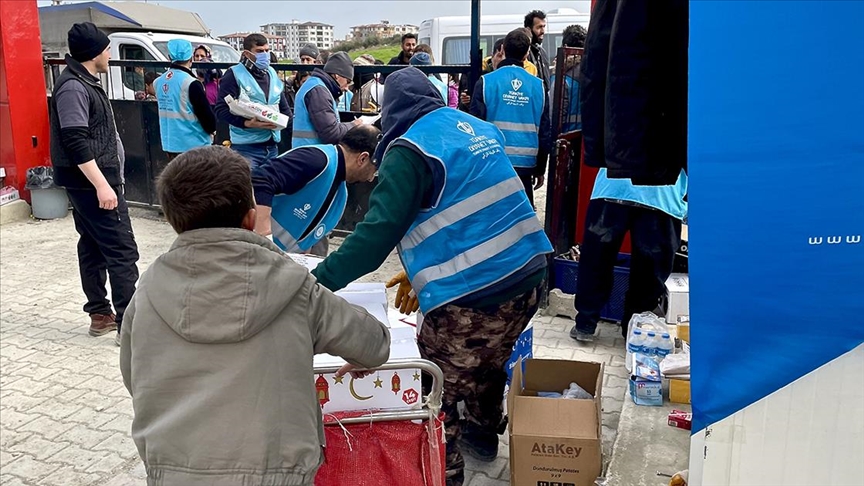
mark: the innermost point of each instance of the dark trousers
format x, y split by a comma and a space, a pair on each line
525, 177
106, 246
654, 235
471, 346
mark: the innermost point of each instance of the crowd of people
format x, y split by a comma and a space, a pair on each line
456, 175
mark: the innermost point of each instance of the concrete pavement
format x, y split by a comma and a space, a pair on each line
65, 413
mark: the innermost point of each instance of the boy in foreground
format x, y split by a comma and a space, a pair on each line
217, 345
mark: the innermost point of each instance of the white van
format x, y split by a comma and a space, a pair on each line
122, 82
450, 37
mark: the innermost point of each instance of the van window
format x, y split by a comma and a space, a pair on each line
220, 53
133, 77
457, 50
426, 40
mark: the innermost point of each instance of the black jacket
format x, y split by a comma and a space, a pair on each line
633, 90
538, 56
99, 141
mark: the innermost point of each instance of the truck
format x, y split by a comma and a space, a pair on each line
138, 32
450, 37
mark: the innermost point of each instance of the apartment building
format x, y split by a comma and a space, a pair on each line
383, 29
278, 44
297, 34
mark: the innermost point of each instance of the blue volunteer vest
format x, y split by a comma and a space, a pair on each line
481, 227
178, 126
304, 131
345, 101
292, 214
669, 199
441, 86
572, 113
514, 103
249, 88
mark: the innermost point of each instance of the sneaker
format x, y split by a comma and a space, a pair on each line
117, 339
478, 443
582, 337
102, 324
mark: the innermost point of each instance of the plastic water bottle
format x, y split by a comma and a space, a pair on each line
637, 342
651, 343
666, 346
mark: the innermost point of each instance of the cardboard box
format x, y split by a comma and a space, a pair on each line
391, 390
646, 386
554, 440
680, 419
682, 330
679, 391
678, 286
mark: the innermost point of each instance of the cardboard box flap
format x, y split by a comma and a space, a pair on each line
515, 389
556, 375
561, 417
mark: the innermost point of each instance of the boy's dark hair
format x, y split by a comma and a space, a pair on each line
254, 40
516, 45
206, 187
498, 45
149, 77
574, 36
409, 35
362, 138
534, 14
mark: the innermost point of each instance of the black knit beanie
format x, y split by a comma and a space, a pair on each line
86, 42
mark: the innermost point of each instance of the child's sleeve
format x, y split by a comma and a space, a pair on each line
343, 330
126, 345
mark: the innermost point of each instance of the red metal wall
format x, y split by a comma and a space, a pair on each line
23, 100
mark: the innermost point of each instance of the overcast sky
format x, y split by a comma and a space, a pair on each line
225, 17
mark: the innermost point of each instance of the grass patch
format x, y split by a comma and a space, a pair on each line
381, 53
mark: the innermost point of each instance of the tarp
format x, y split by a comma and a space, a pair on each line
776, 151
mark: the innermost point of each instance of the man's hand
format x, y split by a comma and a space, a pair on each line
262, 220
406, 300
260, 124
357, 122
107, 197
349, 368
464, 98
538, 181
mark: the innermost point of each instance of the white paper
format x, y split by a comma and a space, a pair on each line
369, 120
257, 111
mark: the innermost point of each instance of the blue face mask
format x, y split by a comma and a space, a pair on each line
262, 60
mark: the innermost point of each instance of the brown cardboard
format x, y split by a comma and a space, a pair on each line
554, 440
679, 391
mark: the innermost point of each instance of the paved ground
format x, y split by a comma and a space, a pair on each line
65, 412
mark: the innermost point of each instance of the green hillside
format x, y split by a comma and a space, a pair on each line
383, 53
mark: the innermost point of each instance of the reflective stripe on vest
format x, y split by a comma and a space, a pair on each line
481, 228
250, 90
514, 103
293, 214
179, 128
304, 131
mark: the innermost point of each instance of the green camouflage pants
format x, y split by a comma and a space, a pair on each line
472, 346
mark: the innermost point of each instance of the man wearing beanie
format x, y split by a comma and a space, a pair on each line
186, 120
256, 140
424, 59
316, 116
88, 159
309, 54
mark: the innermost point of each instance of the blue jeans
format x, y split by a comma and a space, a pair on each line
257, 153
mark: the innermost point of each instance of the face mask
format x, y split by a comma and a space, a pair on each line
262, 60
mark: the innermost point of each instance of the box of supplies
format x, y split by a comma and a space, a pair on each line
555, 440
679, 391
257, 111
678, 299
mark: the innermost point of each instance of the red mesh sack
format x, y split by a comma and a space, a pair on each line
382, 453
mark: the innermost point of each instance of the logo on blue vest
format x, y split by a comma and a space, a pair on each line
302, 213
465, 127
319, 231
516, 83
